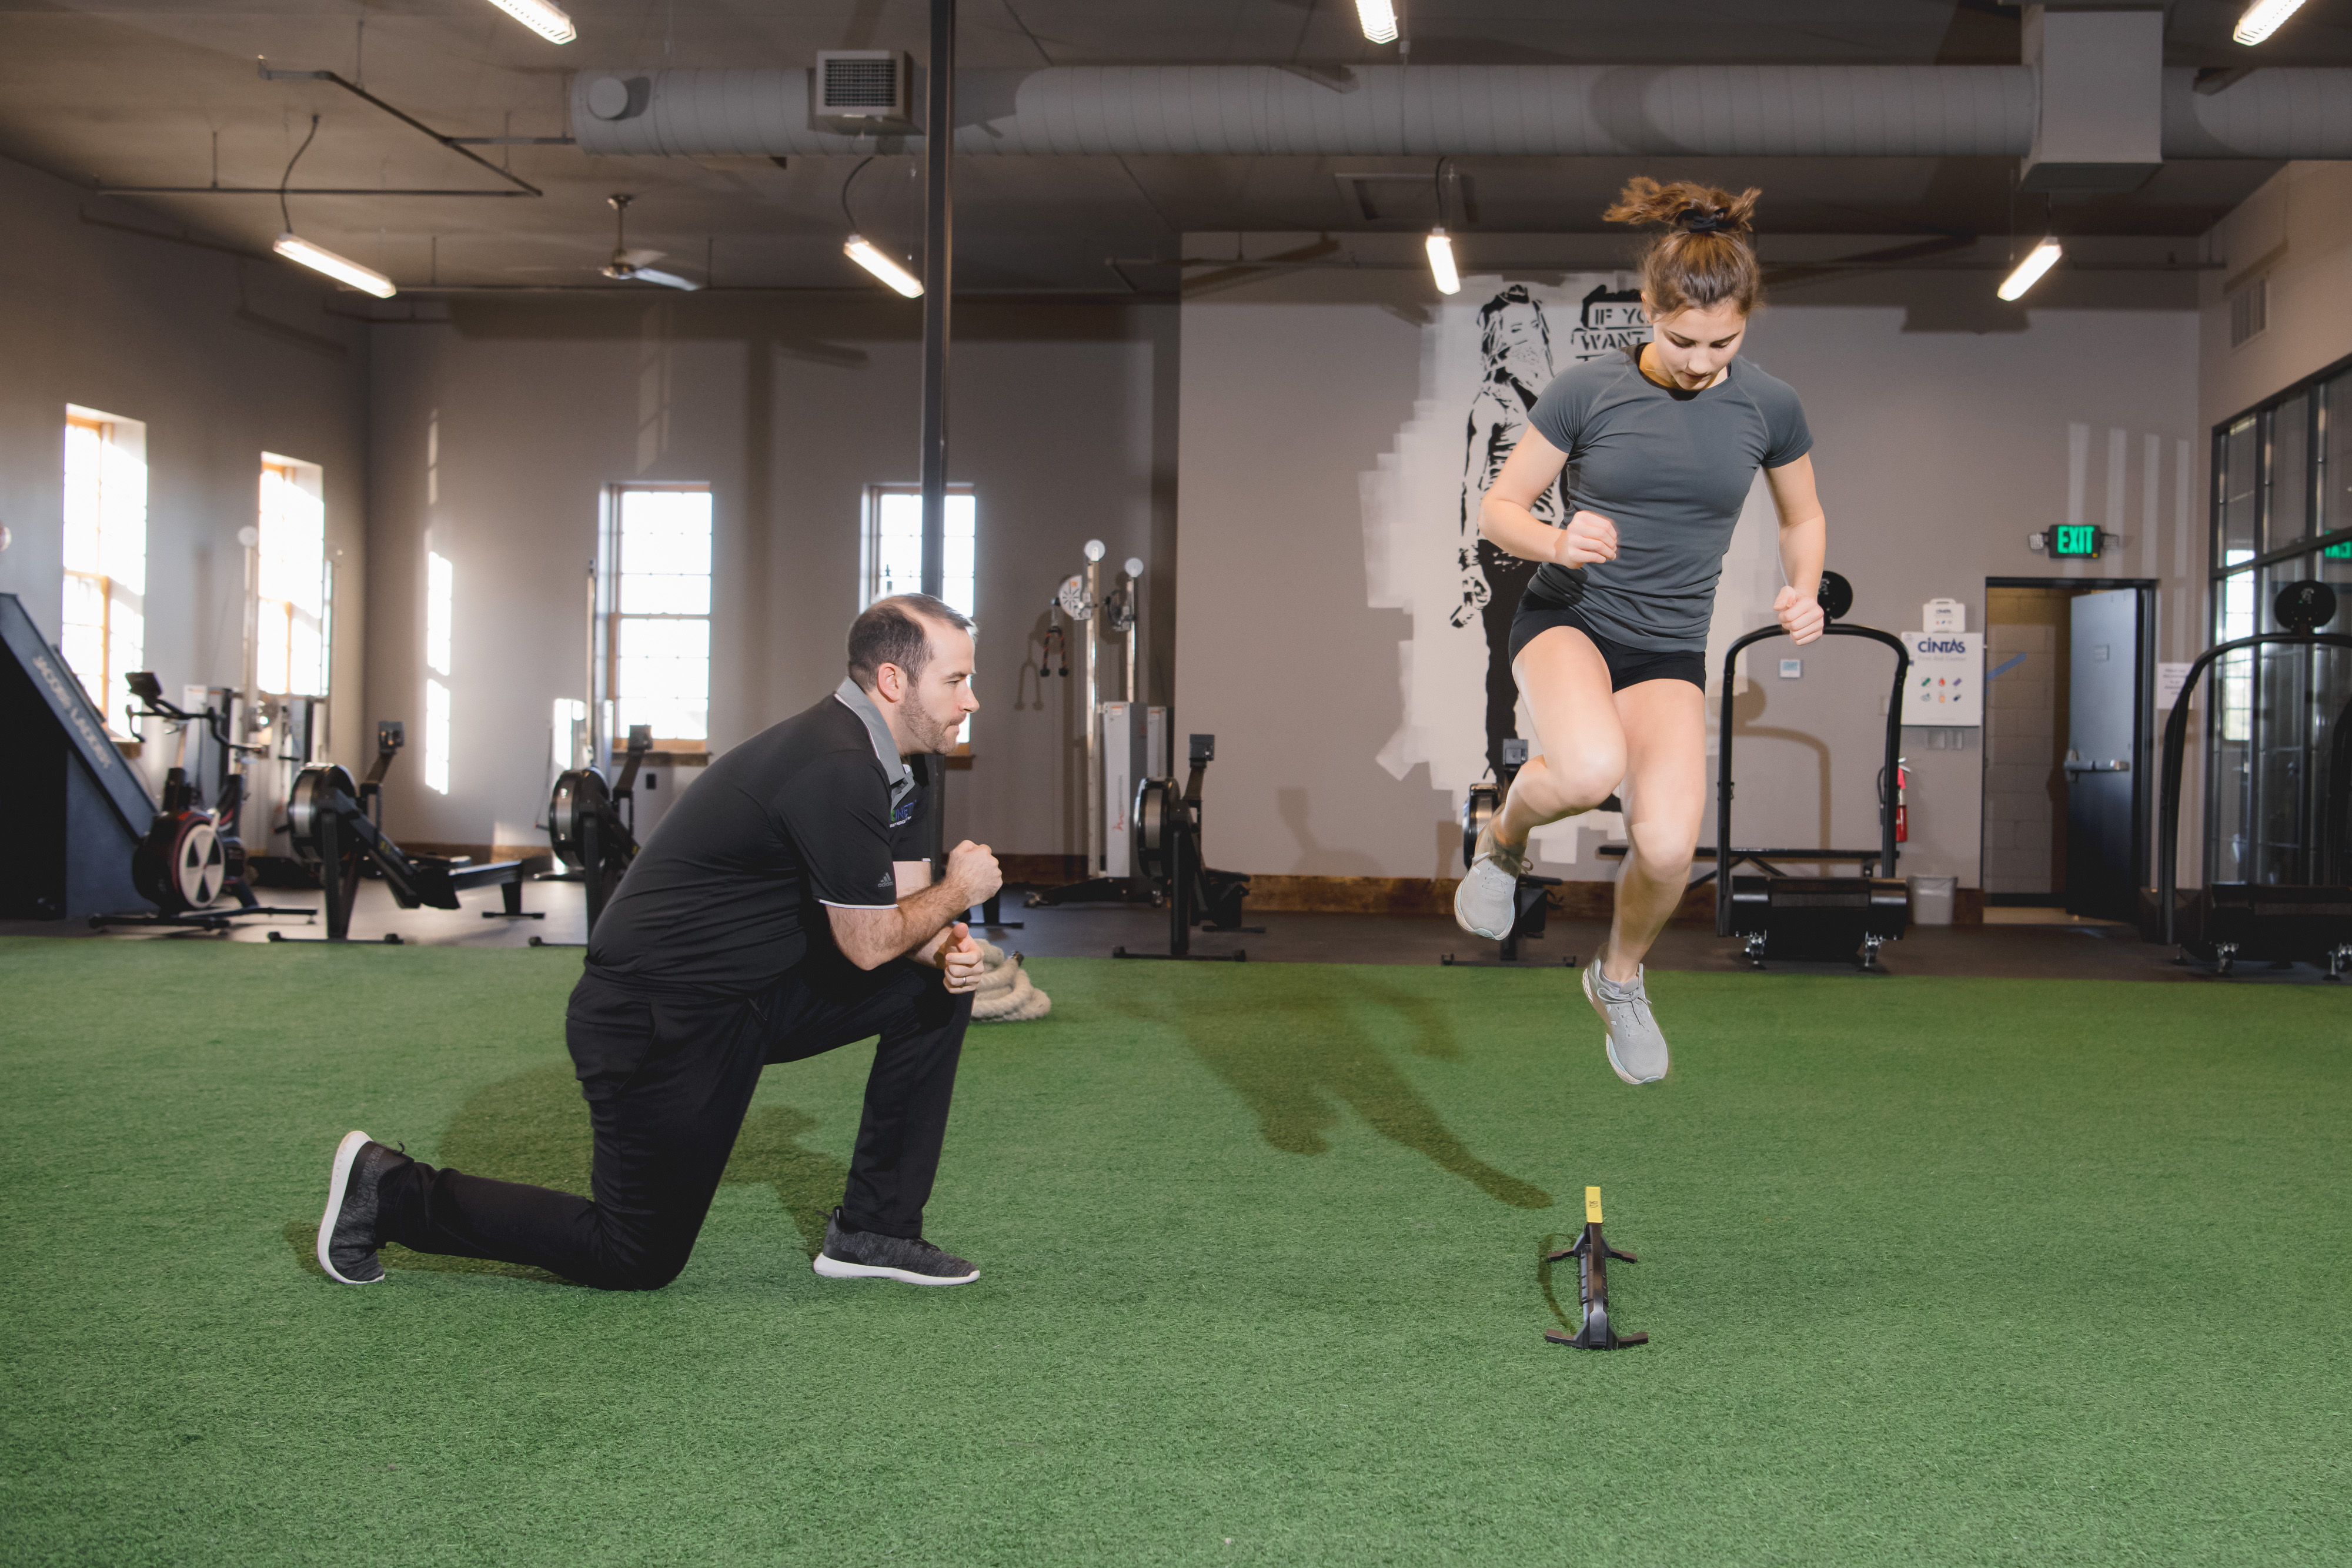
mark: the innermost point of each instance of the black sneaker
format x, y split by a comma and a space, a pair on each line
865, 1255
347, 1239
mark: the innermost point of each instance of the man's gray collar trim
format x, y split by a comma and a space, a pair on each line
851, 695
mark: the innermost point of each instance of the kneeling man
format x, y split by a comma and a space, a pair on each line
712, 961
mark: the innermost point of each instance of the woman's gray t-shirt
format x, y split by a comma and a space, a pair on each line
1672, 469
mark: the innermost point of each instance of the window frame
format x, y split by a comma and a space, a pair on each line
604, 651
2239, 803
869, 550
113, 430
309, 478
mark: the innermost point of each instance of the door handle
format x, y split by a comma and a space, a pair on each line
2072, 767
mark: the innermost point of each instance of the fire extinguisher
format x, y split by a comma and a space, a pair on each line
1902, 811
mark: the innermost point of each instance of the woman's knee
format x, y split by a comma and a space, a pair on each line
1665, 849
1578, 781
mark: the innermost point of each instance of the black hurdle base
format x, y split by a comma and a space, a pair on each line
1591, 1252
389, 939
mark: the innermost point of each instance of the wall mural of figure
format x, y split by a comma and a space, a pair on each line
1515, 351
1514, 346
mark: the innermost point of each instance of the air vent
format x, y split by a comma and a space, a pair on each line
2250, 311
864, 91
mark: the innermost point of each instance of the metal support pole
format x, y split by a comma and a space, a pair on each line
938, 267
939, 270
1095, 857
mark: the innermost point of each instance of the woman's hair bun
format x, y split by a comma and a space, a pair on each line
1687, 205
1706, 258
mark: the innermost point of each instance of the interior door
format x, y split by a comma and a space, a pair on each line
2102, 756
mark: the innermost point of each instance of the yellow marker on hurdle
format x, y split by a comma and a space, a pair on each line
1593, 1329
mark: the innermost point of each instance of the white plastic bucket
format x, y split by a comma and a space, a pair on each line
1932, 898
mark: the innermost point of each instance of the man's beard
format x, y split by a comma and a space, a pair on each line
928, 734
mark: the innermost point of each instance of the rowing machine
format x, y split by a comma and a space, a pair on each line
334, 830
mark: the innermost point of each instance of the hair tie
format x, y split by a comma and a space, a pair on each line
1698, 221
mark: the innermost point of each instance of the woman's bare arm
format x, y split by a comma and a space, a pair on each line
1804, 546
1505, 519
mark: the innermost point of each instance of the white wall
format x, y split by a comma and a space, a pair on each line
1947, 428
1061, 416
224, 357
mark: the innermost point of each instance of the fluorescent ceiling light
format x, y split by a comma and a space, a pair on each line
1441, 262
343, 269
882, 267
1378, 19
2028, 273
546, 20
2262, 18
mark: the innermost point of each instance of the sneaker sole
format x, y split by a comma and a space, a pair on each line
834, 1268
1609, 1039
1463, 920
338, 1176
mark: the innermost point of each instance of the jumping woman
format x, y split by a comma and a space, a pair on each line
1609, 643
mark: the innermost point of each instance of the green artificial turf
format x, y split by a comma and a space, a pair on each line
1936, 1272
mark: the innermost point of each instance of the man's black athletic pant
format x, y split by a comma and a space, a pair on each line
669, 1078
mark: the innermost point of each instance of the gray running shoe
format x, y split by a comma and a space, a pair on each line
851, 1254
1636, 1049
1485, 901
347, 1236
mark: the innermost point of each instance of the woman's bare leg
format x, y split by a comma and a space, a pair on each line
1664, 729
1567, 686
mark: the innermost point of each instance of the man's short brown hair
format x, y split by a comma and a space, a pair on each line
891, 631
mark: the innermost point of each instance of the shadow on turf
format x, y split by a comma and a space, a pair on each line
1331, 1056
533, 1127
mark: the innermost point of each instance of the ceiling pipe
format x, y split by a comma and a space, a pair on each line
1561, 111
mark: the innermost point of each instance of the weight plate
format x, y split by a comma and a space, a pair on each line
1478, 811
1151, 805
1073, 598
577, 794
314, 787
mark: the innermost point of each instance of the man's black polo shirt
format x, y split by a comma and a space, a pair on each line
726, 895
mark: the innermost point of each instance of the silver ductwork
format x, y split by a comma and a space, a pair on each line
1558, 111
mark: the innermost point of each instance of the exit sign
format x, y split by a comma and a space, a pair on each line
2077, 539
2338, 552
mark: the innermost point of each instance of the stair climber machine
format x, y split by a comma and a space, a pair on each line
1532, 900
335, 825
2298, 907
593, 828
1168, 858
192, 857
1812, 917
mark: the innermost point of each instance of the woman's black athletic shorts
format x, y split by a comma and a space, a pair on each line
1627, 667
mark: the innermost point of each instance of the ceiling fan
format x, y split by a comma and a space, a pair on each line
629, 265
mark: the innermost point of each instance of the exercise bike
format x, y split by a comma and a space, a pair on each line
1166, 846
592, 827
192, 857
333, 824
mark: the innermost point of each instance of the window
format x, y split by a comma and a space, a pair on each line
105, 617
656, 653
894, 551
894, 545
291, 597
2282, 513
440, 596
